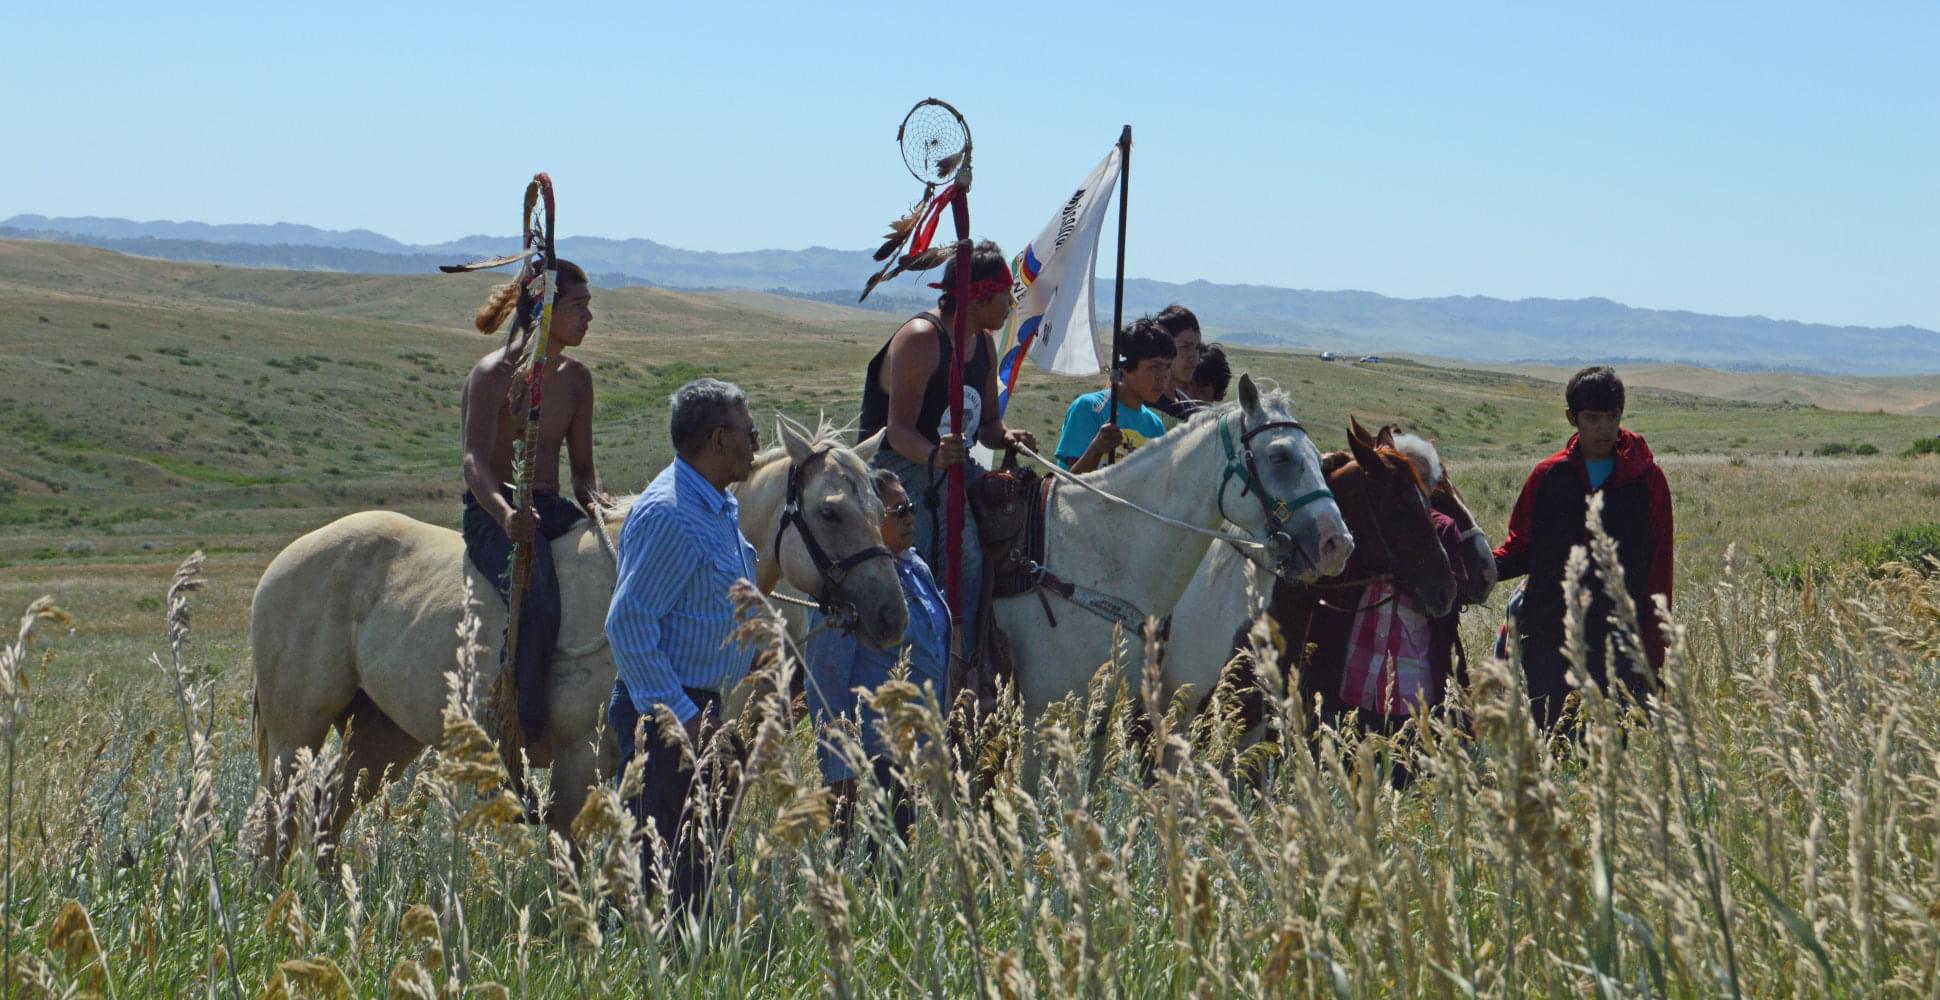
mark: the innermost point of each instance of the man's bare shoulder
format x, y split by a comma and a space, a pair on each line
917, 333
574, 369
490, 368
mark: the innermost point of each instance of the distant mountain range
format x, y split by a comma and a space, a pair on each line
1473, 328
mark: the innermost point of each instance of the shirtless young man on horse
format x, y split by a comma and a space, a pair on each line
493, 414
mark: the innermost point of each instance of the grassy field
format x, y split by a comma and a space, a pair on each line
1772, 834
1914, 394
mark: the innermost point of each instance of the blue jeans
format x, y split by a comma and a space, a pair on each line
932, 505
491, 551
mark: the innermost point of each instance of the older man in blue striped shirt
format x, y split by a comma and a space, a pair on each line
680, 551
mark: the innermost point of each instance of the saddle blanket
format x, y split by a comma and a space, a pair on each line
1386, 669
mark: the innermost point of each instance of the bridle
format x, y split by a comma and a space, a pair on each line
1241, 465
1387, 551
833, 600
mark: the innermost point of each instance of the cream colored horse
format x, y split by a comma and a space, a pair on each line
354, 625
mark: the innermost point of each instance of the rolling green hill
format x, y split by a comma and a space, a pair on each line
167, 404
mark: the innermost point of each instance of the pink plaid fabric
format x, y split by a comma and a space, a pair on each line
1387, 667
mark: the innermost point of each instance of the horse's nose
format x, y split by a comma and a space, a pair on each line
887, 627
1335, 548
1442, 599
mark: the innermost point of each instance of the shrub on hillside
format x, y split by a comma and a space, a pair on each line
1913, 545
1924, 446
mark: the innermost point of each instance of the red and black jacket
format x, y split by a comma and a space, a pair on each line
1548, 522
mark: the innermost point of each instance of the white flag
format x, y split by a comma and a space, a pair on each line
1053, 320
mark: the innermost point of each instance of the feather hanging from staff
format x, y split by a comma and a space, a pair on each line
914, 230
933, 257
900, 229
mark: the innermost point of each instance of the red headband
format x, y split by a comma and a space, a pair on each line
982, 289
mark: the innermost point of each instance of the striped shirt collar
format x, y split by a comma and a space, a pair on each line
688, 480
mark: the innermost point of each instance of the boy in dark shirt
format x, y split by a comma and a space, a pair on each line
1548, 521
1182, 326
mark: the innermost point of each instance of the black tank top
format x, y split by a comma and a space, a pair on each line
933, 420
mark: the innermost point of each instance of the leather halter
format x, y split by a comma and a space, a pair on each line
1240, 465
1387, 551
832, 601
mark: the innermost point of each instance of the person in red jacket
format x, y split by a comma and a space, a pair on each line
1548, 521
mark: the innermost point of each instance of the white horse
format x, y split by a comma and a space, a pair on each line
354, 625
1250, 464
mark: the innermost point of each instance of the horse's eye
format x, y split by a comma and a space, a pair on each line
831, 515
1282, 458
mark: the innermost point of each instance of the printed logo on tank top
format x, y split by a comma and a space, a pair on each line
972, 415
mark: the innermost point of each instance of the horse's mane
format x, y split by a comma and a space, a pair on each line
826, 432
1275, 400
1272, 397
1334, 460
1422, 454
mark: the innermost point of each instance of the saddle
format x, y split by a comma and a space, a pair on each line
1008, 503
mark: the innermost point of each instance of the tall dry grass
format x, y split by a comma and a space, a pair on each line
1766, 827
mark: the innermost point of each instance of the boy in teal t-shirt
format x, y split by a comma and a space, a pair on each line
1145, 354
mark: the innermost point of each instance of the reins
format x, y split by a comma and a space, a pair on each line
1066, 476
1240, 465
1387, 550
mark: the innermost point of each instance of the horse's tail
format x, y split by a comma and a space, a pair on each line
261, 734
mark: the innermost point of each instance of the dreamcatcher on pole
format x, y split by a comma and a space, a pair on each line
538, 283
936, 149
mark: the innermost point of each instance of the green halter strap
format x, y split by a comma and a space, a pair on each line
1240, 465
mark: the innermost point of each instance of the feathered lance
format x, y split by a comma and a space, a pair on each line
959, 343
937, 151
538, 282
524, 459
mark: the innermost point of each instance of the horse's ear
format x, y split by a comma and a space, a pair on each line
1249, 396
866, 448
1386, 437
799, 448
1355, 432
1363, 449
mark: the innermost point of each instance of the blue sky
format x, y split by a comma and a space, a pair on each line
1773, 158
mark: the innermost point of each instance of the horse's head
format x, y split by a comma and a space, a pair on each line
1478, 556
828, 538
1273, 487
1386, 502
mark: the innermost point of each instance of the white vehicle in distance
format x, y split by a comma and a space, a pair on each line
1370, 359
1329, 356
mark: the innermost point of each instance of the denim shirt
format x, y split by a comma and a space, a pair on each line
839, 663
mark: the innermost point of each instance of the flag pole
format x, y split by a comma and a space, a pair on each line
1118, 284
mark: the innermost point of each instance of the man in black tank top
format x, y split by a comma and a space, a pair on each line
907, 394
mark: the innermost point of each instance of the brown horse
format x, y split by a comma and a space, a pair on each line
1478, 555
1383, 497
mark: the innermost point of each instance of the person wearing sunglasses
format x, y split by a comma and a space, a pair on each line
840, 666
